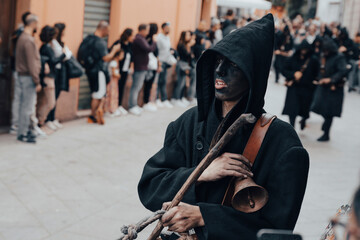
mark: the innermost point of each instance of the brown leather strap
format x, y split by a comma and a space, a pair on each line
251, 149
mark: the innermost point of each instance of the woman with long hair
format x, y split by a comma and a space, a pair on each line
154, 69
183, 66
125, 40
61, 80
46, 97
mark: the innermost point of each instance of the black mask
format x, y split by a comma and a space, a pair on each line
230, 82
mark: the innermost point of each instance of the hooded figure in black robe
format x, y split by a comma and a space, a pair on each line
300, 70
281, 165
284, 44
329, 94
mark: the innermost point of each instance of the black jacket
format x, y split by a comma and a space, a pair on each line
300, 94
51, 60
328, 102
281, 165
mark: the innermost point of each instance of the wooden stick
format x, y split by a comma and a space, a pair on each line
212, 154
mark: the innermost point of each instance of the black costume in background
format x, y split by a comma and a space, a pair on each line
328, 102
300, 94
281, 165
285, 43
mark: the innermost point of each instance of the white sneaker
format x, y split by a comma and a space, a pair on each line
57, 124
185, 102
178, 103
39, 133
135, 111
13, 130
51, 125
159, 103
193, 102
116, 113
167, 104
150, 107
122, 110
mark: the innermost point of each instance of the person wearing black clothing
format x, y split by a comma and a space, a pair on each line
329, 94
125, 40
183, 66
351, 53
300, 70
228, 25
284, 44
228, 85
153, 69
46, 97
98, 75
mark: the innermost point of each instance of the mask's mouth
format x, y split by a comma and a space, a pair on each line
220, 84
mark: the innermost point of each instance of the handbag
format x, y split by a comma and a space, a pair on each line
153, 62
183, 65
73, 68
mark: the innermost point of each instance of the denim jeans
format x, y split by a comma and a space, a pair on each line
191, 94
138, 82
180, 83
161, 89
16, 100
27, 103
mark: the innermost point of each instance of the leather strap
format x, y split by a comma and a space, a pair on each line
251, 149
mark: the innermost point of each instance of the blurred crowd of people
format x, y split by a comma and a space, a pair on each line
316, 60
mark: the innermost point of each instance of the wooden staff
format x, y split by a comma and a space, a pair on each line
212, 154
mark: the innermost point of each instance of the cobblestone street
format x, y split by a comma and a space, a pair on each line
81, 182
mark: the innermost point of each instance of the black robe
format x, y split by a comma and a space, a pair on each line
281, 165
328, 102
300, 94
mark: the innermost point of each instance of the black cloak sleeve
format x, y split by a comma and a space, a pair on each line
165, 173
222, 222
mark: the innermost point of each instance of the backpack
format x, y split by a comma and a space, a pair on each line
85, 52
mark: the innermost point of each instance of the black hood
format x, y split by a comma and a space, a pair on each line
251, 48
304, 45
329, 44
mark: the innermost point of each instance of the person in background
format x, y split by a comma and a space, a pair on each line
356, 77
15, 105
46, 97
98, 75
154, 68
115, 76
125, 63
300, 70
166, 59
311, 33
141, 49
61, 80
351, 53
183, 67
329, 94
228, 24
215, 33
27, 65
283, 48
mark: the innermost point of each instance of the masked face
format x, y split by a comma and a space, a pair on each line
230, 82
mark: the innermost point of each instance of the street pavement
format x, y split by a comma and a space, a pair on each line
81, 182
